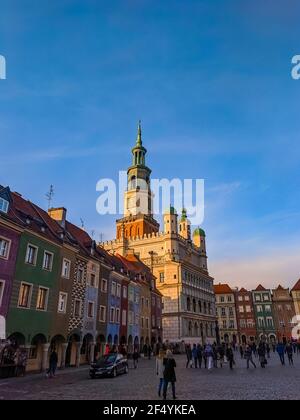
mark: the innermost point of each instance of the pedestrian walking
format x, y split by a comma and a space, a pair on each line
195, 356
249, 357
221, 355
135, 358
268, 348
290, 353
230, 357
262, 354
242, 351
209, 356
52, 364
189, 356
281, 351
160, 370
199, 355
169, 374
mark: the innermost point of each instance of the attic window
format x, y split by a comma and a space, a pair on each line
3, 205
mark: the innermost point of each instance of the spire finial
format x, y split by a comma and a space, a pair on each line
139, 134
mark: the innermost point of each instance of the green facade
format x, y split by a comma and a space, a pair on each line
32, 322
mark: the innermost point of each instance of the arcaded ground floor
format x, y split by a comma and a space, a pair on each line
275, 382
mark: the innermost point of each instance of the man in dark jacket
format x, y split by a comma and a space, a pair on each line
52, 364
249, 358
169, 374
281, 350
199, 355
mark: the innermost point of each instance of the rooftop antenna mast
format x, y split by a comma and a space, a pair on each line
50, 195
82, 223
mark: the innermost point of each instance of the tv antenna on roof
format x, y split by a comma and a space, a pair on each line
82, 223
50, 195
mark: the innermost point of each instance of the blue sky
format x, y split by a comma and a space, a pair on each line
211, 81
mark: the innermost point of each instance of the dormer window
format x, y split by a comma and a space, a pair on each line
4, 205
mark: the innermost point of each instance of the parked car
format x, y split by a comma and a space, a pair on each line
109, 365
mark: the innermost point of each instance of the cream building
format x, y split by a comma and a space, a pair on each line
176, 257
226, 312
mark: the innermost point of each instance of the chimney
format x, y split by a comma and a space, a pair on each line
59, 214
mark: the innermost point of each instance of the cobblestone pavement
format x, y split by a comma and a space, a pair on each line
276, 382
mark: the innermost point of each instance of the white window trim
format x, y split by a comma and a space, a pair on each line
52, 259
119, 290
103, 281
66, 303
36, 254
80, 270
6, 202
104, 311
47, 299
62, 268
112, 309
8, 249
93, 303
2, 293
118, 318
113, 286
30, 295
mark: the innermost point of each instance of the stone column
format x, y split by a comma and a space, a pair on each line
78, 347
63, 355
46, 347
92, 352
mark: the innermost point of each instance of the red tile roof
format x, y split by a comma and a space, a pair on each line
296, 288
221, 289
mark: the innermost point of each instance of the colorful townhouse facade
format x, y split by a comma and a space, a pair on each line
245, 316
284, 313
295, 292
226, 313
60, 290
264, 315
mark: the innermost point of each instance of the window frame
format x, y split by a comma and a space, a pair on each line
6, 257
24, 283
52, 259
46, 300
62, 269
30, 245
59, 300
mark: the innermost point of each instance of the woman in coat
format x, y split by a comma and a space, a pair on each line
169, 374
160, 370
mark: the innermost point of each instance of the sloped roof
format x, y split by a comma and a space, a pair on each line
221, 289
296, 288
260, 288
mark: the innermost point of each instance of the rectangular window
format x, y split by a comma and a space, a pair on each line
268, 308
124, 317
153, 321
147, 323
42, 299
25, 295
48, 261
4, 205
118, 290
31, 254
266, 298
241, 309
131, 295
124, 292
93, 280
90, 309
247, 298
161, 277
130, 318
137, 319
80, 275
258, 298
66, 268
223, 311
104, 285
222, 299
231, 324
240, 299
4, 248
113, 288
112, 315
225, 325
77, 308
102, 314
230, 311
62, 303
142, 322
118, 315
2, 285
